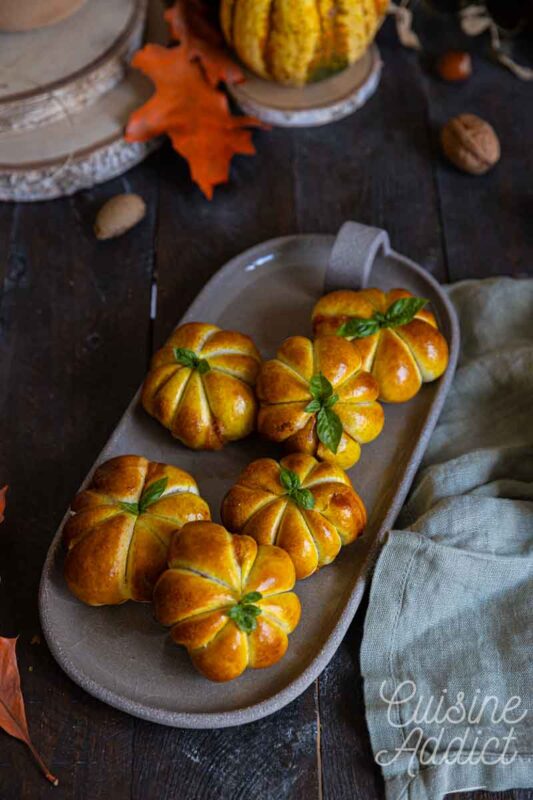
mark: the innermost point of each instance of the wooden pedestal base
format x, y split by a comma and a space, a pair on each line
66, 133
314, 104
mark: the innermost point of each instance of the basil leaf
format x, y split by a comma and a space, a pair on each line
320, 387
130, 508
312, 406
290, 481
251, 597
304, 498
244, 614
329, 426
152, 493
247, 621
331, 401
322, 393
329, 429
359, 327
203, 366
402, 311
188, 358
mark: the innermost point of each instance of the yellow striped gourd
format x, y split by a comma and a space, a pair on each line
300, 41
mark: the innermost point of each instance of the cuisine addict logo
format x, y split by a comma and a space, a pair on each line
429, 725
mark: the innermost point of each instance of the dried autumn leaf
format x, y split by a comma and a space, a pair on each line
190, 24
2, 502
195, 116
404, 26
12, 711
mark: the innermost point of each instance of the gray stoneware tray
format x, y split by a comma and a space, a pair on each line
120, 654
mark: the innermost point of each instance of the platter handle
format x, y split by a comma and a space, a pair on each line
353, 254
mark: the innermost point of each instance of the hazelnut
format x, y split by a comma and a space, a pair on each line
118, 215
470, 143
455, 65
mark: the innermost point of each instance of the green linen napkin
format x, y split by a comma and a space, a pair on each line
448, 648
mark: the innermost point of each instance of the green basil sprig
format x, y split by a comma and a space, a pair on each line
244, 614
291, 482
328, 424
189, 359
150, 495
401, 312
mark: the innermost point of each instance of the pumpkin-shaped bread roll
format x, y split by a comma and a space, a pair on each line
201, 385
227, 599
317, 400
306, 507
118, 535
397, 337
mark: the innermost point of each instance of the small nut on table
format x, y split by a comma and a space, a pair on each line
118, 215
470, 143
454, 66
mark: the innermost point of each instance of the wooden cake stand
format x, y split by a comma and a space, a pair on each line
315, 104
65, 96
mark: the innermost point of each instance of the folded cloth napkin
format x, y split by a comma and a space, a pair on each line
448, 649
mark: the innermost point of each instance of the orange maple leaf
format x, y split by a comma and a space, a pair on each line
12, 711
190, 24
193, 113
2, 502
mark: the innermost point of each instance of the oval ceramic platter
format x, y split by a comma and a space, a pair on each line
120, 654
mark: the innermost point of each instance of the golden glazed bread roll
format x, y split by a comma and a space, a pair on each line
227, 600
397, 338
316, 399
118, 535
306, 507
201, 385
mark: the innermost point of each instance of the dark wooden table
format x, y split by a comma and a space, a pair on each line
75, 339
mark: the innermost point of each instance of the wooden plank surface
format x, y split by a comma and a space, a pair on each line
74, 346
75, 337
486, 220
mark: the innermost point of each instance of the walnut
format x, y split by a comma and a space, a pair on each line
470, 143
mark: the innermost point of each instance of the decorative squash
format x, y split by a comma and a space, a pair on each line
201, 385
300, 41
228, 600
317, 400
306, 507
397, 338
118, 536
